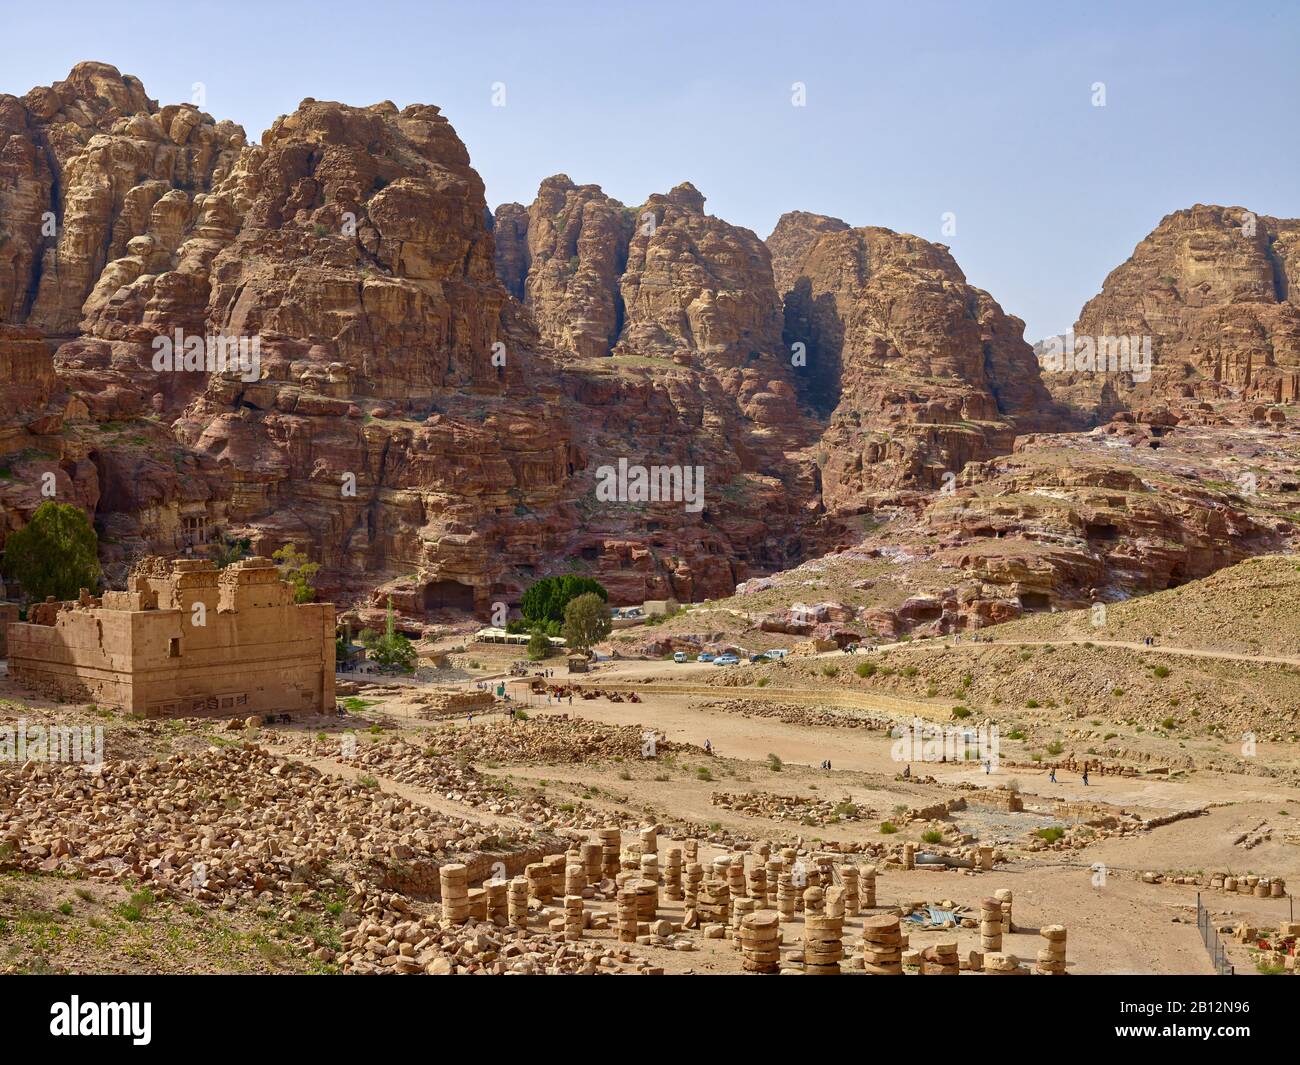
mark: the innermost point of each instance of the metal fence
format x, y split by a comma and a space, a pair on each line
1210, 937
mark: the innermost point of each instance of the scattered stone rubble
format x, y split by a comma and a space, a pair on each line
803, 810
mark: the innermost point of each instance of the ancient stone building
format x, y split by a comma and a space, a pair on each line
184, 639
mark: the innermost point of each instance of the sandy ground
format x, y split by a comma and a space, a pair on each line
1116, 922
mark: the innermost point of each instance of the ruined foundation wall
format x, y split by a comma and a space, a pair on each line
84, 655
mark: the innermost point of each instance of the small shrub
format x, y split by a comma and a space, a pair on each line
932, 836
888, 828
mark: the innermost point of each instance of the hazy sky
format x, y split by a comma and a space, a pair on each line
912, 109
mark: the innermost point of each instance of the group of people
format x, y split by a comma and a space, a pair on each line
1051, 777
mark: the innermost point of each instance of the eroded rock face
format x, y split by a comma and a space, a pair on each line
406, 416
662, 281
575, 241
1215, 290
123, 169
439, 391
795, 233
917, 372
1066, 521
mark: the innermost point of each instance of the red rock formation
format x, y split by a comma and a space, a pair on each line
1215, 288
795, 233
574, 253
918, 372
438, 391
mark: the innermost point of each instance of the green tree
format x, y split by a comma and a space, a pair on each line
225, 550
538, 646
586, 622
56, 553
392, 650
545, 601
295, 569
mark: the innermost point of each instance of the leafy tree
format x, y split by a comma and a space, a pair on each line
548, 628
225, 550
546, 599
586, 621
56, 553
392, 650
295, 569
538, 646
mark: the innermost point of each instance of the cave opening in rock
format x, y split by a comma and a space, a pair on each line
1034, 601
1101, 531
439, 594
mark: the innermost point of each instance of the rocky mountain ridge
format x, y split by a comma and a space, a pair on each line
439, 388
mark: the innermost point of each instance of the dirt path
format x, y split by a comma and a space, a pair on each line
938, 642
669, 709
1185, 652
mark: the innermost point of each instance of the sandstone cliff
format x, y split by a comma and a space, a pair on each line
1215, 289
409, 424
917, 372
439, 389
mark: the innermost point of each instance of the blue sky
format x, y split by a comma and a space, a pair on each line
913, 109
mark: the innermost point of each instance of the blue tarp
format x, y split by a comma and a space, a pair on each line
935, 917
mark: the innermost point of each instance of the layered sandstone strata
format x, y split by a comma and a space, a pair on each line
917, 372
1215, 290
407, 422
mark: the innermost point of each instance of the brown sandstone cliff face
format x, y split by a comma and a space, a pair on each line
791, 240
917, 372
406, 423
1215, 288
122, 168
574, 251
439, 389
662, 281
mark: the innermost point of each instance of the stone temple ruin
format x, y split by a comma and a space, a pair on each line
184, 639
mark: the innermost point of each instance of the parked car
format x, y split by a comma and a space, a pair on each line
704, 657
759, 656
726, 660
679, 656
777, 652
